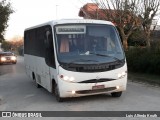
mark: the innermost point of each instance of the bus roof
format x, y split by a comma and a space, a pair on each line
69, 21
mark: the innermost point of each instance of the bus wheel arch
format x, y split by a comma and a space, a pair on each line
55, 91
33, 76
34, 79
53, 85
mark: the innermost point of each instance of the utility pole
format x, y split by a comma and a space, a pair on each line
56, 11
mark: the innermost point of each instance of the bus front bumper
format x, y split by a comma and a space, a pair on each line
68, 89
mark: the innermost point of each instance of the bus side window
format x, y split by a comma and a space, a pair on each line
49, 51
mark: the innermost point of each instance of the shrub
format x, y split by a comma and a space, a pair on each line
143, 60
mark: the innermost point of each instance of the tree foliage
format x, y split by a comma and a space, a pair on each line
5, 11
123, 13
16, 42
128, 15
13, 44
6, 46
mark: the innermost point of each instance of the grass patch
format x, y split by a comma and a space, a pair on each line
143, 77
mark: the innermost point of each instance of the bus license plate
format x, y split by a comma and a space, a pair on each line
97, 87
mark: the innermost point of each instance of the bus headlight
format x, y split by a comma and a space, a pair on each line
13, 58
3, 59
122, 75
67, 78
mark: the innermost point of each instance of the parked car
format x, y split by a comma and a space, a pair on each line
8, 57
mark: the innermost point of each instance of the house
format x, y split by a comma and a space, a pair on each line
91, 11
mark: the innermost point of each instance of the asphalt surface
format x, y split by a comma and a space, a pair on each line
18, 93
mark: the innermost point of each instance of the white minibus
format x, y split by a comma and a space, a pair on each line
76, 57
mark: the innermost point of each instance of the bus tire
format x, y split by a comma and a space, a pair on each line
57, 94
14, 62
37, 85
116, 94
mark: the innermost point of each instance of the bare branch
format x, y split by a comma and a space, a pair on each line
148, 11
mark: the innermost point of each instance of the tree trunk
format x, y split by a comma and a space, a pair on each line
124, 38
148, 44
147, 32
125, 42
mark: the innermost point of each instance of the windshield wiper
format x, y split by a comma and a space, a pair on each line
106, 56
81, 60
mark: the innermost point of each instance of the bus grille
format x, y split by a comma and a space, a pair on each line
95, 91
97, 80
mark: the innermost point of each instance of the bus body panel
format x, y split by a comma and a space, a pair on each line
37, 66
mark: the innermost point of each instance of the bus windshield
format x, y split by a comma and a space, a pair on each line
87, 44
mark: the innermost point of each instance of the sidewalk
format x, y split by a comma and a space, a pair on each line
145, 78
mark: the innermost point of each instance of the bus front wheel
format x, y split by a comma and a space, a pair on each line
116, 94
57, 94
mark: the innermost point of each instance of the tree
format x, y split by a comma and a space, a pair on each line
16, 42
6, 46
123, 13
137, 38
5, 11
147, 11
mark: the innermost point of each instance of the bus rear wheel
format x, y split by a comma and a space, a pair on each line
57, 94
116, 94
36, 84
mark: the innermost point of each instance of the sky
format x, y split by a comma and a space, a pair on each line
33, 12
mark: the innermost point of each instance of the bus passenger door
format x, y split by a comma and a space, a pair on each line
49, 57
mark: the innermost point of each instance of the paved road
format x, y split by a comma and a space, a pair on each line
18, 92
